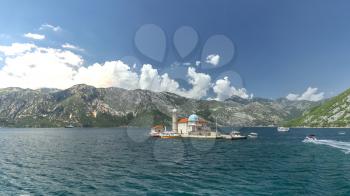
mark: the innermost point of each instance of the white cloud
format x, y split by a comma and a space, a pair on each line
311, 94
151, 80
109, 74
16, 48
170, 85
34, 36
213, 59
31, 66
223, 90
72, 47
196, 63
292, 96
200, 82
50, 27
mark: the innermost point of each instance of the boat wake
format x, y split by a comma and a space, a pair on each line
344, 146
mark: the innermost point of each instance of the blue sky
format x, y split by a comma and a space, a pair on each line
281, 47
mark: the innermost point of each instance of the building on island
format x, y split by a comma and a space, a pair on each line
193, 126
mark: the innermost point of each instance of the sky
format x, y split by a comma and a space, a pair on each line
298, 49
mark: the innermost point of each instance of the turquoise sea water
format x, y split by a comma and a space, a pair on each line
124, 162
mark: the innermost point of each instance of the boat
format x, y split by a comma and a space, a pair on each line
157, 130
169, 135
69, 126
203, 135
154, 134
236, 135
224, 136
310, 138
342, 133
252, 135
282, 129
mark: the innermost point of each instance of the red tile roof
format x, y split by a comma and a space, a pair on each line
183, 120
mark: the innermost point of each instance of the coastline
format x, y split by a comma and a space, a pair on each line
147, 127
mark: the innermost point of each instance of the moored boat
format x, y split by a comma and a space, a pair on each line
169, 135
229, 137
157, 130
252, 135
154, 134
236, 135
282, 129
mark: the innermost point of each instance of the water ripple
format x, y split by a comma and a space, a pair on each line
106, 162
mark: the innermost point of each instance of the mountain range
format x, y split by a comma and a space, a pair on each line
87, 106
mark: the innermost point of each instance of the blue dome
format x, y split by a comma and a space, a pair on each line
193, 118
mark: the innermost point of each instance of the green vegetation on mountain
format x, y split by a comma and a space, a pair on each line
332, 113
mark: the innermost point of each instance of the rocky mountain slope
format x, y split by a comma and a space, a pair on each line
332, 113
83, 105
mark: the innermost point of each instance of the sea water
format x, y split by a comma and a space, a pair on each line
125, 161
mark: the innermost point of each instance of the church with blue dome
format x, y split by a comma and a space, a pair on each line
193, 126
193, 118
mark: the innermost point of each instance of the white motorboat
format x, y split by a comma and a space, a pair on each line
169, 135
282, 129
310, 138
252, 135
236, 135
224, 136
69, 126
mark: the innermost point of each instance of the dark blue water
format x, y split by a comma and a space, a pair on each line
120, 161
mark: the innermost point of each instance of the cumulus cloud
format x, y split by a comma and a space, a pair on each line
213, 59
311, 94
223, 90
200, 82
31, 66
34, 36
151, 80
292, 96
109, 74
72, 47
50, 27
16, 48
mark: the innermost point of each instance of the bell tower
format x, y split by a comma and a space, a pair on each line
174, 119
